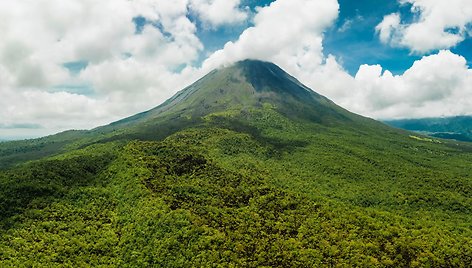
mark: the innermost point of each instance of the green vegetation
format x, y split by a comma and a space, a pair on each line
250, 183
424, 139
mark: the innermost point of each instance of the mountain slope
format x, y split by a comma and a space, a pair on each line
246, 167
244, 86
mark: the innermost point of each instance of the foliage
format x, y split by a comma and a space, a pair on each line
212, 196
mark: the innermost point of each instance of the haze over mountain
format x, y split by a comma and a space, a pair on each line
246, 167
456, 128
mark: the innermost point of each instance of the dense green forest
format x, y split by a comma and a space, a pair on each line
258, 185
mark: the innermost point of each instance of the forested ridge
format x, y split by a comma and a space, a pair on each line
211, 195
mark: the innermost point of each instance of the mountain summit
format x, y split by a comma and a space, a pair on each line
242, 86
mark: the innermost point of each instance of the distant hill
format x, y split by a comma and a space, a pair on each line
457, 127
247, 167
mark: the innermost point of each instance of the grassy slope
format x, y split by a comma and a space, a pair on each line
245, 188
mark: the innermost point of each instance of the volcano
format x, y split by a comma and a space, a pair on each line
240, 89
245, 85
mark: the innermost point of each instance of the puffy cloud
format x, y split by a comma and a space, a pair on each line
33, 50
440, 24
288, 32
216, 13
63, 31
126, 72
436, 85
48, 109
387, 28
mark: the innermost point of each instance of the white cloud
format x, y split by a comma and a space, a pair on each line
39, 36
219, 12
288, 32
388, 27
48, 109
436, 85
440, 24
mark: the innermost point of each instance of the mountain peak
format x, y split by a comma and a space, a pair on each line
263, 75
247, 84
252, 63
267, 77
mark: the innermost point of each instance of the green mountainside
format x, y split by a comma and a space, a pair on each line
456, 128
246, 167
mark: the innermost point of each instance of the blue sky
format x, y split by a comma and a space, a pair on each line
80, 64
357, 43
352, 38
